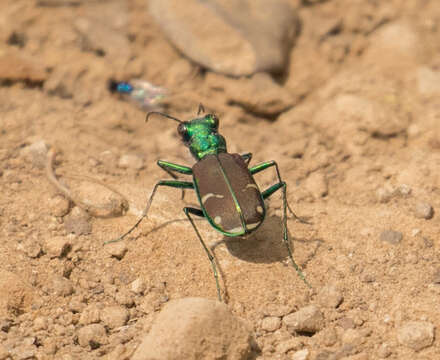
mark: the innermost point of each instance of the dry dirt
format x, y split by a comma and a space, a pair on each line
359, 149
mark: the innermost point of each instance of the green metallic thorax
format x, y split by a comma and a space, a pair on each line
202, 138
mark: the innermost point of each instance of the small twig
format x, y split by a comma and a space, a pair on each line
93, 210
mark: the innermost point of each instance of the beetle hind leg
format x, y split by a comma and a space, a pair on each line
171, 183
268, 192
198, 212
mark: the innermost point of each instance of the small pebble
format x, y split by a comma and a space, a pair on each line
301, 355
59, 206
62, 286
271, 323
330, 296
384, 194
416, 335
391, 236
114, 316
138, 286
117, 249
93, 335
130, 161
308, 319
57, 246
423, 210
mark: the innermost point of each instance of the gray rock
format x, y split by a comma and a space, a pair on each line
416, 335
215, 34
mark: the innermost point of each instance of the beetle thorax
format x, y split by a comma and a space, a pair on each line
202, 137
205, 144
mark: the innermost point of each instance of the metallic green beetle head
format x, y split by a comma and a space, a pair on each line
200, 135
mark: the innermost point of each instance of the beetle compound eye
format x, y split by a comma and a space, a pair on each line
213, 120
183, 132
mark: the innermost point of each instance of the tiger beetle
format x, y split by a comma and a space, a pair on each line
228, 195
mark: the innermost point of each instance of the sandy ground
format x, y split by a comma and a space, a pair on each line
359, 148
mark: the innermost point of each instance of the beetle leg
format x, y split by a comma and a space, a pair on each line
199, 212
268, 192
171, 183
172, 168
247, 157
263, 166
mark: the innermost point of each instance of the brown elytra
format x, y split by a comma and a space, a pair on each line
228, 194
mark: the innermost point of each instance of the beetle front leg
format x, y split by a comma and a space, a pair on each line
171, 183
172, 168
199, 212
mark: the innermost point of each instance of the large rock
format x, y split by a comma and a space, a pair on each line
217, 34
195, 328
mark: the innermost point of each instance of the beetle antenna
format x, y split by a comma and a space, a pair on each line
162, 114
201, 109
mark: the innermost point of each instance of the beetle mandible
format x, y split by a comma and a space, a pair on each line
228, 195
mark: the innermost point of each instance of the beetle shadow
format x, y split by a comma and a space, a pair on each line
265, 245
